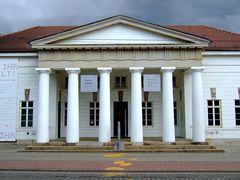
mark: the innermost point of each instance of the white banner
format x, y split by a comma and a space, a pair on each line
8, 99
89, 83
151, 83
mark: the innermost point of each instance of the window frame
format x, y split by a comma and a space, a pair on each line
95, 109
145, 116
213, 108
237, 107
121, 84
27, 108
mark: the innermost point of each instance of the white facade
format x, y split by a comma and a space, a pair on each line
179, 109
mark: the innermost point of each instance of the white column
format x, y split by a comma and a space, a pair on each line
167, 99
73, 106
43, 105
188, 104
197, 105
136, 106
104, 100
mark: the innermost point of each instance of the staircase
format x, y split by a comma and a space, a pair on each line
149, 146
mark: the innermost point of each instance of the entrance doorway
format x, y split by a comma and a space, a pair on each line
121, 115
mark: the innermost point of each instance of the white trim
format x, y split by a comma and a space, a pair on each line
168, 68
104, 69
221, 53
114, 46
43, 70
73, 70
136, 69
18, 54
198, 42
197, 68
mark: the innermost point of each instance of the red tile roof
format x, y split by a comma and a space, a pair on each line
220, 39
20, 41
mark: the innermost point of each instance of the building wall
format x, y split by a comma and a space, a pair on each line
222, 73
27, 79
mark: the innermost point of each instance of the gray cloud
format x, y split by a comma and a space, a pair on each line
19, 14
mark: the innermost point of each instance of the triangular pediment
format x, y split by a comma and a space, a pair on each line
120, 31
120, 34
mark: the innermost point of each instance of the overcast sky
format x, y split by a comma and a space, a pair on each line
19, 14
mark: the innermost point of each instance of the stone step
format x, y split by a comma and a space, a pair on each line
66, 148
146, 148
171, 147
132, 151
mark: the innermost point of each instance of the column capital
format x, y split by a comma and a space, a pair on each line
187, 71
168, 69
72, 70
104, 69
197, 68
136, 69
43, 70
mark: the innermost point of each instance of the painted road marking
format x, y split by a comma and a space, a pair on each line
132, 159
122, 163
114, 155
113, 174
119, 163
114, 169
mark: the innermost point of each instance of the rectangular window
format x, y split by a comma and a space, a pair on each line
237, 112
94, 113
214, 113
175, 114
26, 113
120, 82
147, 114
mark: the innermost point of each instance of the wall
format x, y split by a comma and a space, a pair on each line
27, 79
222, 73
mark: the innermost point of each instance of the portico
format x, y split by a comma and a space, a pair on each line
121, 61
106, 121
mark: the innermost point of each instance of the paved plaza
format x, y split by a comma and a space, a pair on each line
118, 164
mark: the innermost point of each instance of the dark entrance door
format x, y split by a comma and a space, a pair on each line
121, 115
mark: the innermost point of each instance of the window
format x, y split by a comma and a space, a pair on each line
120, 82
26, 113
147, 114
214, 112
237, 112
94, 113
175, 113
65, 114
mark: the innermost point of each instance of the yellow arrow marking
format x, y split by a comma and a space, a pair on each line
114, 169
122, 163
132, 159
114, 155
113, 174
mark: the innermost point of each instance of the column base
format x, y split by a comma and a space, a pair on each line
168, 143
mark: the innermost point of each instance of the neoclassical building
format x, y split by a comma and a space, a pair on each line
121, 74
